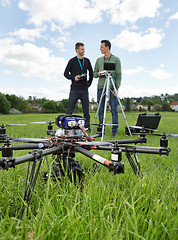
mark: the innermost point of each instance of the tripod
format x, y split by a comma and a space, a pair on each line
106, 91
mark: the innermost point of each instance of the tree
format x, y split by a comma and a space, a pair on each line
149, 104
30, 99
166, 107
5, 105
127, 106
50, 106
144, 101
63, 105
18, 103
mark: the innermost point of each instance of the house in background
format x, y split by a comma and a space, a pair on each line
174, 106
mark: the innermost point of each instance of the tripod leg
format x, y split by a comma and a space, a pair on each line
135, 155
121, 106
105, 106
99, 104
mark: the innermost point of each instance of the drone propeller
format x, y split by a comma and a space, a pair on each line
166, 135
93, 143
9, 125
42, 122
28, 140
160, 135
144, 128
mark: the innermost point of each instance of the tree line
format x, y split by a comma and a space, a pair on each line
12, 104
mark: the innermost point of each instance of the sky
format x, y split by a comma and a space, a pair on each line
37, 39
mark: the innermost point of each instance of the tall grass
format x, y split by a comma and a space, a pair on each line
107, 206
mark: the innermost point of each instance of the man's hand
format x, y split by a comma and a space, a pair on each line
77, 78
101, 73
115, 93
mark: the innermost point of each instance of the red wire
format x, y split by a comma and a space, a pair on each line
86, 134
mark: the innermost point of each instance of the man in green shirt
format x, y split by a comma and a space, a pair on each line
105, 48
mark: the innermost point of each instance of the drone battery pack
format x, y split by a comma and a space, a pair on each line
70, 122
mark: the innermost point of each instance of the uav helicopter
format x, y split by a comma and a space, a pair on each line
63, 144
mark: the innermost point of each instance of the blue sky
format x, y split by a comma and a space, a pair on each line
37, 38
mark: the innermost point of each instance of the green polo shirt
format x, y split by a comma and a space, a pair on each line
116, 74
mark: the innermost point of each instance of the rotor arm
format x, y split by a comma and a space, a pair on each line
138, 149
6, 163
116, 167
29, 146
128, 141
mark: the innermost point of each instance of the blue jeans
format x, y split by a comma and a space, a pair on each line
83, 96
114, 108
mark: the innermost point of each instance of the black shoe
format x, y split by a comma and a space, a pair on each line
113, 134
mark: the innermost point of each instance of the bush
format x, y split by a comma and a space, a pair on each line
157, 107
50, 106
14, 111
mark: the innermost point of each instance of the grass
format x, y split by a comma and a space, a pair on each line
107, 206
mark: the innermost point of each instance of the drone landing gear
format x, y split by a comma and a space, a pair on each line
136, 168
31, 180
66, 166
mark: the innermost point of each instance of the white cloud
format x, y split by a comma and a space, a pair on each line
59, 94
5, 3
52, 94
70, 12
160, 74
67, 13
28, 34
135, 92
175, 16
133, 71
32, 61
49, 94
135, 42
7, 72
132, 10
60, 41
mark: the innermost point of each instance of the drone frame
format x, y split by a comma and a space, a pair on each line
64, 149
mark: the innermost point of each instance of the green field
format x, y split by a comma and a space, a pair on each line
107, 206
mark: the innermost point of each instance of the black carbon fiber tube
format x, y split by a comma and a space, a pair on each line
28, 146
30, 157
136, 149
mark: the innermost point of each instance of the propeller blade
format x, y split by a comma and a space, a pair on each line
28, 140
172, 135
9, 125
139, 127
42, 122
159, 135
95, 143
39, 122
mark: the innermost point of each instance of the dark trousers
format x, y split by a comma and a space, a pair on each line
83, 96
